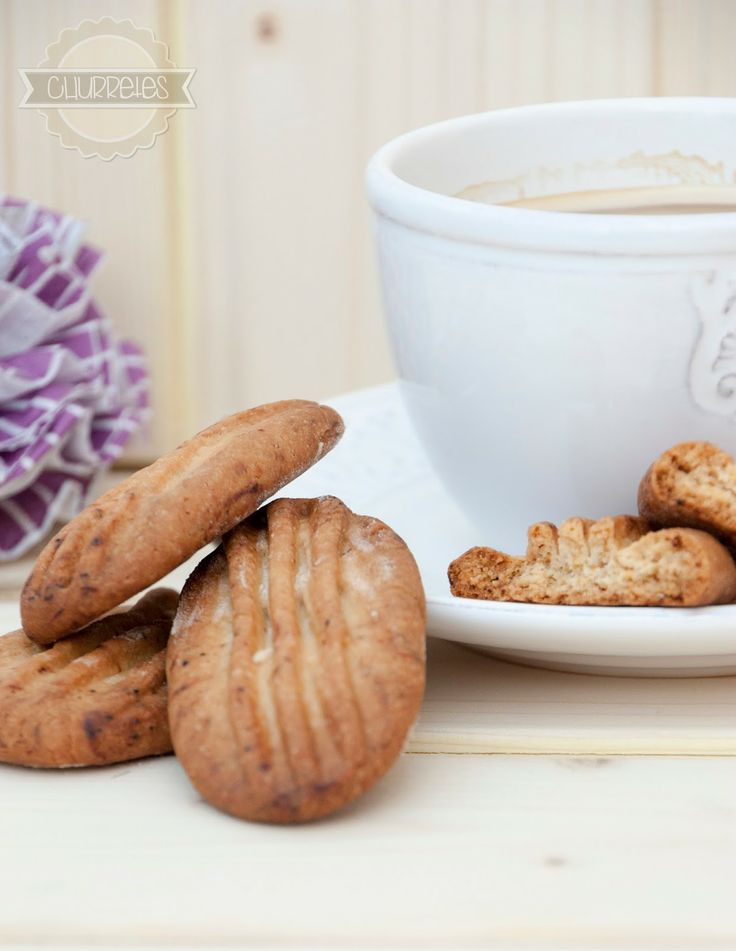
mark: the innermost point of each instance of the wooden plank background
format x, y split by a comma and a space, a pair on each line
240, 249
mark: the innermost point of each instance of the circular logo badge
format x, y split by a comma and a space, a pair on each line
107, 88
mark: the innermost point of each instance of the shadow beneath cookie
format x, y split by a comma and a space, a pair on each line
393, 791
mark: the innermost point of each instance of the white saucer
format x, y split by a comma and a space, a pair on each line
379, 469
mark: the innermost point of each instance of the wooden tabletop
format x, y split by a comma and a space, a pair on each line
465, 851
449, 851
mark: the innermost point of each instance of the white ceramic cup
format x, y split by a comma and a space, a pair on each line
548, 357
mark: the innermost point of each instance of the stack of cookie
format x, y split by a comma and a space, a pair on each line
677, 552
295, 662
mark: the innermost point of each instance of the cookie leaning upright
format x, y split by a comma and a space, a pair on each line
296, 662
148, 525
693, 484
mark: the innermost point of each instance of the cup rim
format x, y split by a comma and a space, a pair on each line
458, 219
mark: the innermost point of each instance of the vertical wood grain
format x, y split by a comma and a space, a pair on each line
544, 50
695, 47
383, 107
419, 62
274, 155
515, 53
600, 48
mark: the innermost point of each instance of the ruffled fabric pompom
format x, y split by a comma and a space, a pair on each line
71, 393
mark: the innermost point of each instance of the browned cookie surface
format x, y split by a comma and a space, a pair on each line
296, 662
613, 561
97, 697
151, 523
692, 484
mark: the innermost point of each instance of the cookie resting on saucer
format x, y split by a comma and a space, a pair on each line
97, 697
296, 661
613, 561
692, 484
153, 521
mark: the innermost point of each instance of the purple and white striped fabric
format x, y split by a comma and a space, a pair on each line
71, 393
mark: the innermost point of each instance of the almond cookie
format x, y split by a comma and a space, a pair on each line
296, 661
97, 697
146, 526
692, 484
615, 561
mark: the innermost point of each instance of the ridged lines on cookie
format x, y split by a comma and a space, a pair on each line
327, 594
304, 716
316, 690
288, 674
328, 755
91, 657
373, 589
252, 716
